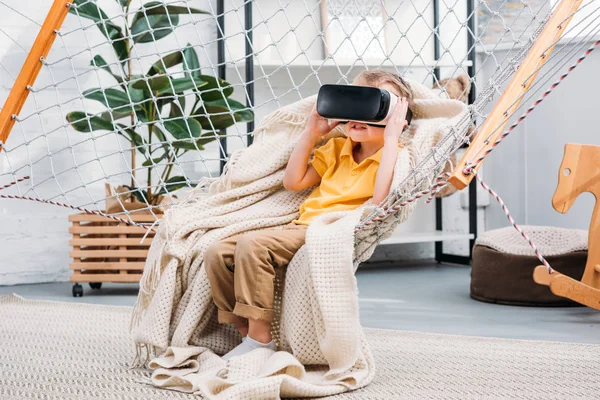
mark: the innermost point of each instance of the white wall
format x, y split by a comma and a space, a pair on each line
34, 237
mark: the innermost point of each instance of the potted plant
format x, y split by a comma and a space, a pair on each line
170, 110
164, 113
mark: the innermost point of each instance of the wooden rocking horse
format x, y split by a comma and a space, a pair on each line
579, 173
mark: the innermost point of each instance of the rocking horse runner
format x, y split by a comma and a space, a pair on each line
579, 173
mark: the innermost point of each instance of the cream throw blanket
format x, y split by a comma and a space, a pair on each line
323, 350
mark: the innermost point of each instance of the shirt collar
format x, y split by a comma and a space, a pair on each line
349, 145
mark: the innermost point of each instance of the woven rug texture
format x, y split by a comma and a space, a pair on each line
60, 350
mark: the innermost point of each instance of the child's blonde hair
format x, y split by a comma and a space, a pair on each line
376, 77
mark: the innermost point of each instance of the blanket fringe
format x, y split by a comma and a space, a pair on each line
148, 285
144, 352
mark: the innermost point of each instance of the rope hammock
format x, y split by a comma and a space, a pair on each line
135, 86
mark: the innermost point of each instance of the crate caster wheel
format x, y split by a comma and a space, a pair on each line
96, 285
77, 290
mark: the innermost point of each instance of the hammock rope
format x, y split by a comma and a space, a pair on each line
66, 205
513, 223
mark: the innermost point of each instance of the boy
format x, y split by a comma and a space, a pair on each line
349, 171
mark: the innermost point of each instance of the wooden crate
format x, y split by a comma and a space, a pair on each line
105, 250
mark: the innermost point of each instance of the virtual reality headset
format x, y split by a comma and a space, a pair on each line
367, 104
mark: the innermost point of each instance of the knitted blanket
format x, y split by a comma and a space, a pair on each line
322, 348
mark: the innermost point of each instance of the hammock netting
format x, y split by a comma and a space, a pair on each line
130, 95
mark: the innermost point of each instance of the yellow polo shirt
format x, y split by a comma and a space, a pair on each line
345, 185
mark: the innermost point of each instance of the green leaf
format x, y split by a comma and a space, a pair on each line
180, 85
161, 138
168, 61
141, 97
216, 114
155, 20
90, 10
124, 2
112, 98
133, 137
149, 112
159, 134
172, 184
208, 137
177, 107
211, 91
191, 65
154, 161
119, 43
99, 62
149, 24
199, 144
83, 122
175, 179
138, 95
186, 145
172, 10
182, 130
163, 86
211, 122
142, 114
153, 84
241, 112
115, 115
140, 195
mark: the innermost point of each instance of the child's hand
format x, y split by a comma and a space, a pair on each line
317, 125
397, 121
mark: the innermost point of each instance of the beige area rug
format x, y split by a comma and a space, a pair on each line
59, 350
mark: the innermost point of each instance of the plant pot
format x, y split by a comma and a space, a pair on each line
119, 200
105, 250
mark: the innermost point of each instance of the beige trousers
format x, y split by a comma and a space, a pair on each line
241, 271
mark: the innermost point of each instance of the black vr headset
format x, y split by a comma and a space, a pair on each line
367, 104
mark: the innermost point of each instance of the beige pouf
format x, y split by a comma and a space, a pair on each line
503, 264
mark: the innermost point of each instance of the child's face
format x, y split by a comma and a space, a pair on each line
361, 132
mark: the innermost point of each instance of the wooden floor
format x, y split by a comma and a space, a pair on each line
424, 298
